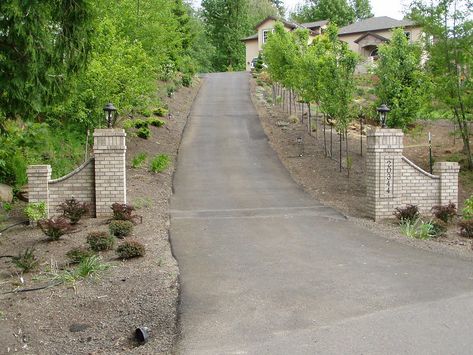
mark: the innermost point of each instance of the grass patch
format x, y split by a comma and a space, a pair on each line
138, 160
159, 163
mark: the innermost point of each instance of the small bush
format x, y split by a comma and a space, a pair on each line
120, 229
138, 160
54, 228
445, 213
35, 211
160, 111
90, 266
145, 112
417, 229
26, 261
156, 122
409, 213
144, 133
130, 249
466, 228
186, 80
138, 123
99, 241
123, 212
73, 210
76, 255
439, 228
467, 211
159, 163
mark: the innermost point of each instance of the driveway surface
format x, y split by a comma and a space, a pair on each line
266, 269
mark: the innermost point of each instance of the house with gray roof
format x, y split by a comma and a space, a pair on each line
364, 37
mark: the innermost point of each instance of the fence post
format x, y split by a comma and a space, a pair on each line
383, 171
110, 171
38, 188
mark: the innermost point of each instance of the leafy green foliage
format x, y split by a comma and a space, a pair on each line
26, 261
76, 255
54, 228
402, 84
339, 12
144, 133
100, 241
90, 266
120, 229
73, 210
156, 122
159, 163
130, 249
160, 111
467, 211
35, 211
417, 229
138, 160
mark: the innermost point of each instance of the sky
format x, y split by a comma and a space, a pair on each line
391, 8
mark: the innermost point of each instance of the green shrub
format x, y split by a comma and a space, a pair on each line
120, 229
417, 229
159, 163
136, 123
26, 261
439, 228
130, 249
35, 211
145, 112
73, 210
156, 122
144, 133
54, 228
99, 241
138, 160
186, 80
409, 213
466, 228
76, 255
90, 266
467, 211
160, 111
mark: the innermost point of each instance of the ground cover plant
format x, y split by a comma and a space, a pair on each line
138, 160
159, 163
100, 241
26, 261
76, 255
120, 229
130, 249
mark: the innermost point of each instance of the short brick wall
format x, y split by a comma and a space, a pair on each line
100, 181
394, 181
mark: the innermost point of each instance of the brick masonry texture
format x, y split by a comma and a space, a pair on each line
101, 181
393, 181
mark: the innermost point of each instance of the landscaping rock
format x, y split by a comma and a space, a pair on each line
6, 193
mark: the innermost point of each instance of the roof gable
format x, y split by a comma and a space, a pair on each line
375, 24
384, 39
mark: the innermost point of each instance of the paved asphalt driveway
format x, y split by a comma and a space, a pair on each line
266, 269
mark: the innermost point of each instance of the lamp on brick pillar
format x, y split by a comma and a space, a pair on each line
383, 114
38, 184
110, 111
110, 173
383, 171
448, 172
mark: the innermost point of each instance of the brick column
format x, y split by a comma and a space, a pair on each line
38, 188
110, 173
383, 171
448, 172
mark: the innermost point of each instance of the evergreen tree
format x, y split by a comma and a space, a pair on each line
362, 9
338, 12
226, 23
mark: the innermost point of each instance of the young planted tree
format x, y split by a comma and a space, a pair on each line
402, 83
449, 28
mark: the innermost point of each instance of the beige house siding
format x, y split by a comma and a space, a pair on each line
350, 38
252, 51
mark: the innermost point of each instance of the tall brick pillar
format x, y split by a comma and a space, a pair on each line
110, 173
448, 172
383, 171
38, 188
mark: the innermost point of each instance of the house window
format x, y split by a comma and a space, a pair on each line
265, 35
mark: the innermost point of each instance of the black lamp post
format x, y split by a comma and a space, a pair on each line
300, 142
383, 114
109, 110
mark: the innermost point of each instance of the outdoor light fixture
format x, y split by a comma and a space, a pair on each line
383, 114
109, 110
300, 142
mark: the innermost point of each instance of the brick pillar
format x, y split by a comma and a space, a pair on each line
110, 173
383, 171
448, 172
38, 188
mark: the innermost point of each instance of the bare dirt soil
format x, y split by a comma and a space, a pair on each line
99, 316
319, 173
